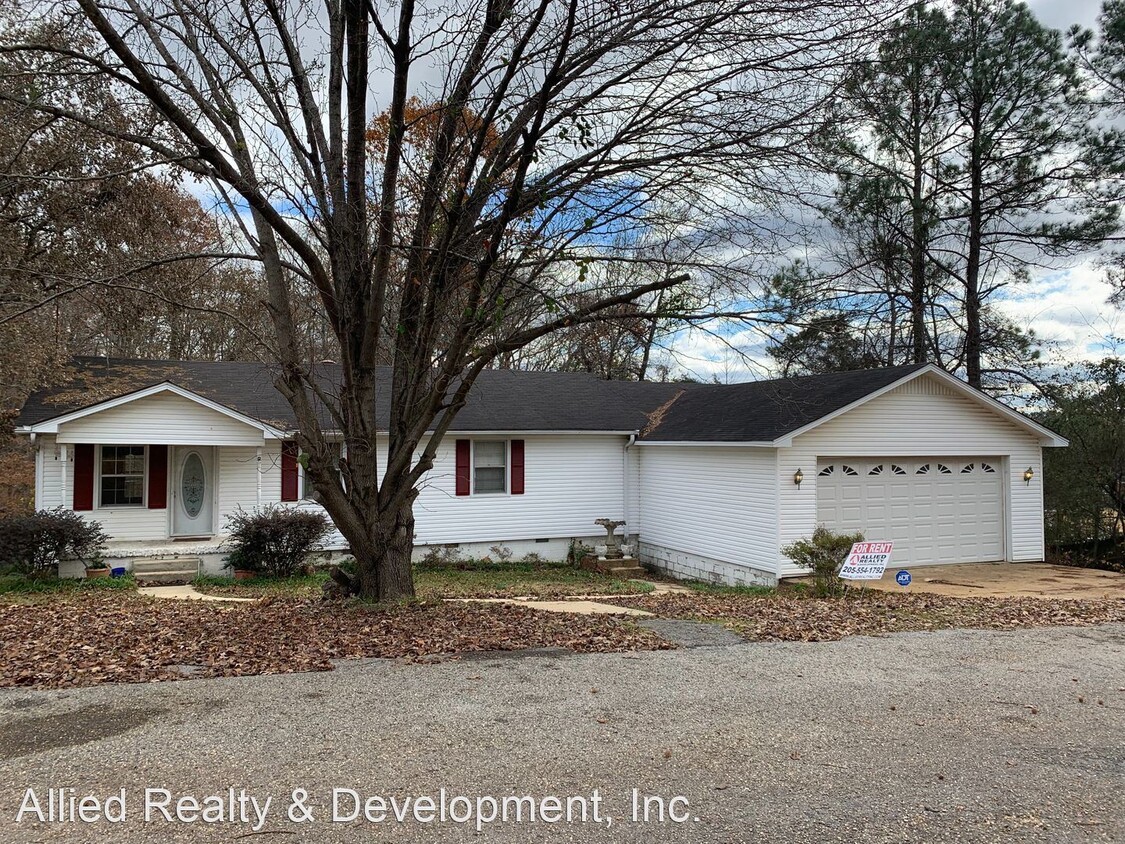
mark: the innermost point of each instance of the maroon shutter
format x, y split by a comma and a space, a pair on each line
289, 474
84, 476
463, 467
517, 467
157, 477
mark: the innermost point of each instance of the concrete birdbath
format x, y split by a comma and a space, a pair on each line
612, 550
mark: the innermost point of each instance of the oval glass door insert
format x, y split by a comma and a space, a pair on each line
193, 483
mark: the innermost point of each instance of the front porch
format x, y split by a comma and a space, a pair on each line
186, 558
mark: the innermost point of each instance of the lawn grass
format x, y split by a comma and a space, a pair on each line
480, 579
18, 584
471, 579
733, 591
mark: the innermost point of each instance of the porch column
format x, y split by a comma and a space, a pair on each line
62, 457
258, 465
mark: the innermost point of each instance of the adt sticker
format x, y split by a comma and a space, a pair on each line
903, 578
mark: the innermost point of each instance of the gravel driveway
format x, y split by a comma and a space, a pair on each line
966, 736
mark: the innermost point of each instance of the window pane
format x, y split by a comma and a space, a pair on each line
110, 489
134, 461
134, 490
490, 479
109, 461
490, 454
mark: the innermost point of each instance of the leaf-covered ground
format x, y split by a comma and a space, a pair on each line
827, 619
80, 640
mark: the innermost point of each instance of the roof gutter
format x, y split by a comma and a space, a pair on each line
712, 443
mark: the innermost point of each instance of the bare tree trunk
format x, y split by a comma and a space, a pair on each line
972, 263
650, 340
383, 571
918, 250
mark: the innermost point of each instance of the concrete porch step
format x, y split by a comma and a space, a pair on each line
166, 578
626, 572
167, 569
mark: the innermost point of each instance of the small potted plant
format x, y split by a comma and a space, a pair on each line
96, 568
239, 567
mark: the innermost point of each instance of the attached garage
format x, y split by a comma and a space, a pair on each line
934, 509
729, 475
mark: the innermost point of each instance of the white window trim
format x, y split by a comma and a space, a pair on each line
98, 478
507, 467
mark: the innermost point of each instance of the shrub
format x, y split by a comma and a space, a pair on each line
823, 554
502, 553
441, 556
33, 544
274, 541
577, 551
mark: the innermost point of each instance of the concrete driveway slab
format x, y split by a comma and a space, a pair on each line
1006, 580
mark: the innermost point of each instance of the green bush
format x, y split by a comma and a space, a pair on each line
274, 541
823, 555
33, 544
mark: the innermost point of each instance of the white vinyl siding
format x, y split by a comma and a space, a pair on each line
718, 503
124, 524
569, 481
164, 418
919, 418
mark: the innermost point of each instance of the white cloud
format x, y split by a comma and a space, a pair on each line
1068, 310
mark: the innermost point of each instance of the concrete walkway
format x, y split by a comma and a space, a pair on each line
185, 593
581, 605
586, 604
578, 606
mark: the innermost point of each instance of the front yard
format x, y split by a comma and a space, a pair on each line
89, 632
99, 636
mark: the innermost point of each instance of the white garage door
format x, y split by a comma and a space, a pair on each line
935, 510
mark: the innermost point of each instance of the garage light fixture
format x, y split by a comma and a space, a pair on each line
1028, 474
798, 476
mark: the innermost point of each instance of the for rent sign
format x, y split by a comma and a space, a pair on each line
867, 561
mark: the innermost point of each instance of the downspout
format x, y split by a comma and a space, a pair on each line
38, 489
625, 488
62, 483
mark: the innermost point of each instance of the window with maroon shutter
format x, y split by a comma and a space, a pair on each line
517, 467
157, 477
463, 468
289, 474
83, 476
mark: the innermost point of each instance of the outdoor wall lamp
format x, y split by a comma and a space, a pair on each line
798, 476
1028, 474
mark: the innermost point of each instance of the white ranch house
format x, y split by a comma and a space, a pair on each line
705, 476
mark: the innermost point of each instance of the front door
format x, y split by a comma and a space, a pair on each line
193, 491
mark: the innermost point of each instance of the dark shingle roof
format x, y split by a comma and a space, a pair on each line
762, 411
501, 400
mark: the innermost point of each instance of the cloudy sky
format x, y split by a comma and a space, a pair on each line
1065, 305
